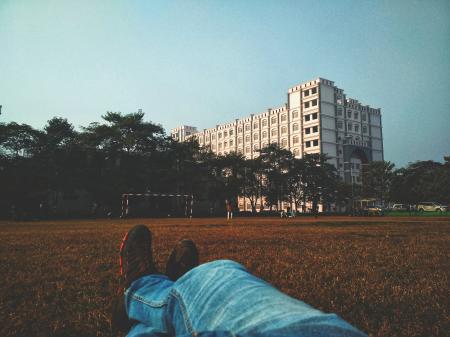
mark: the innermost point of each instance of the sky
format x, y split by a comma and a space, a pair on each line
204, 63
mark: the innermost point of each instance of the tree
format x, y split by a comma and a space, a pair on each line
422, 181
252, 181
276, 162
125, 133
296, 180
377, 179
59, 133
19, 139
320, 180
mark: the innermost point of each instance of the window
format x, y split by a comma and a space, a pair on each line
314, 91
307, 118
225, 134
308, 144
306, 105
308, 131
264, 134
231, 142
213, 137
315, 142
219, 135
247, 149
273, 132
314, 129
247, 127
283, 118
264, 122
240, 129
255, 147
295, 127
284, 142
349, 126
231, 132
273, 120
355, 115
295, 140
255, 136
349, 114
314, 115
239, 140
364, 116
213, 146
314, 102
247, 138
340, 124
220, 146
364, 129
283, 130
295, 114
339, 111
296, 152
255, 125
306, 93
356, 128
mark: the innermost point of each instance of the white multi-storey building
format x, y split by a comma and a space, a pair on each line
317, 118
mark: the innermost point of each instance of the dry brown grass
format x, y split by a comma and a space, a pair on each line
389, 277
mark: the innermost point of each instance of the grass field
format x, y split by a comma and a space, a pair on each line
387, 276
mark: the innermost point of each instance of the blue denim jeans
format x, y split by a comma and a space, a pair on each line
220, 299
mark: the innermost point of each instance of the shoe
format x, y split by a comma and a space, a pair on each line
183, 258
135, 261
136, 258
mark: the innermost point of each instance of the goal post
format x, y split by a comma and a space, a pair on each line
157, 204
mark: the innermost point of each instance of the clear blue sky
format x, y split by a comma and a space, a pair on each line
207, 62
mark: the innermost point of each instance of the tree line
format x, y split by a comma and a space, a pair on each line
126, 154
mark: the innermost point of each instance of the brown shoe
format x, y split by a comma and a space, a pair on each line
135, 261
183, 258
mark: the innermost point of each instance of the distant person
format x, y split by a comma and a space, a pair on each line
229, 210
215, 299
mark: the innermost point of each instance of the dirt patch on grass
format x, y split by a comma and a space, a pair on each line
387, 276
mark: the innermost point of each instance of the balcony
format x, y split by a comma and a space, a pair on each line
356, 142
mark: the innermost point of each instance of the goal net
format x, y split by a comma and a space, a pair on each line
156, 205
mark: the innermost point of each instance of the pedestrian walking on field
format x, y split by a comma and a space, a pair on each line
229, 210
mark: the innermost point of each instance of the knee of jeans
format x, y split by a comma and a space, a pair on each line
219, 264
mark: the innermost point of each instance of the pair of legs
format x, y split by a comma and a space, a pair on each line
220, 298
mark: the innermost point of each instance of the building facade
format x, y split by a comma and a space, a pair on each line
318, 117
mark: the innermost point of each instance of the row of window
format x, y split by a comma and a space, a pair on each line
351, 126
273, 120
312, 143
310, 117
310, 103
283, 118
283, 143
313, 129
274, 132
295, 140
313, 91
350, 113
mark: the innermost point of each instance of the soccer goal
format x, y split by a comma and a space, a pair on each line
157, 205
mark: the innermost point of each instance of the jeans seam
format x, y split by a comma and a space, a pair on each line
151, 304
186, 320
